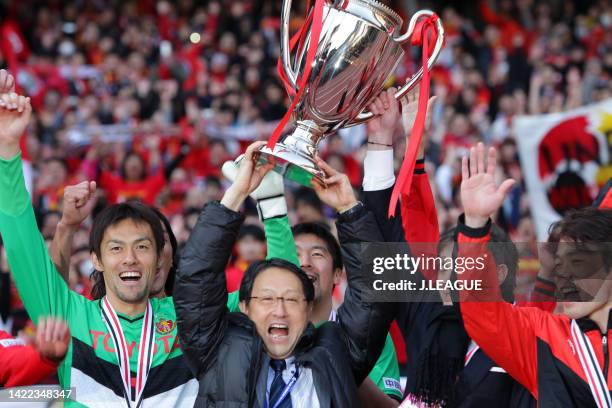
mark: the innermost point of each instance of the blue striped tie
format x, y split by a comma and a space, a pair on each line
278, 385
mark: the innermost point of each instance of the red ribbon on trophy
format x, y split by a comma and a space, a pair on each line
316, 19
421, 35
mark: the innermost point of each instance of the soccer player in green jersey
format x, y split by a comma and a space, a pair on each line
124, 347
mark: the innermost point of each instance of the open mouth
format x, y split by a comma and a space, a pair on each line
278, 331
313, 278
131, 276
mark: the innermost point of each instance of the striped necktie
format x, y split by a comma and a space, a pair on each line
278, 385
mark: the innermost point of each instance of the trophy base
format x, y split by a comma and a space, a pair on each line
293, 165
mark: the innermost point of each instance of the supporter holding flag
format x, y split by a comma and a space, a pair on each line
283, 359
563, 360
22, 364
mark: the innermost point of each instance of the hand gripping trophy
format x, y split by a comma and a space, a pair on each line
334, 67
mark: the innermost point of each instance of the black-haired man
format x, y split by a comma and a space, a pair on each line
124, 348
563, 360
270, 355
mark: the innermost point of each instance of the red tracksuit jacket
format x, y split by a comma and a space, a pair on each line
21, 364
533, 346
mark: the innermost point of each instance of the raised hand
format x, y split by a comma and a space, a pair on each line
7, 82
247, 179
52, 339
382, 126
410, 106
15, 112
79, 201
480, 196
270, 195
337, 192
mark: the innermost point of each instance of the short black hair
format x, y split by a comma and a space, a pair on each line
321, 231
248, 280
588, 225
504, 251
130, 210
213, 181
169, 285
309, 197
252, 230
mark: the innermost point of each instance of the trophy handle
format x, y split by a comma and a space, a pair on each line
412, 81
284, 44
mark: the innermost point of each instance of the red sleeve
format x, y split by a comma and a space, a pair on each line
21, 365
604, 199
506, 333
419, 216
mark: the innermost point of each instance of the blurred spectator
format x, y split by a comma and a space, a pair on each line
308, 207
250, 247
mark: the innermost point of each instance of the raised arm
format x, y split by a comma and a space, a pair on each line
79, 201
200, 290
365, 324
272, 210
507, 334
42, 290
418, 211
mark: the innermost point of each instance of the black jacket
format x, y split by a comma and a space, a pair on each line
224, 350
434, 335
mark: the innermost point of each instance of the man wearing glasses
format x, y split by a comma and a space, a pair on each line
270, 355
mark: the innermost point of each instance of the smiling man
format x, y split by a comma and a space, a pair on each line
313, 248
270, 355
563, 360
320, 257
123, 348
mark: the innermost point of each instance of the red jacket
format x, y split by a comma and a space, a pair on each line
533, 346
21, 364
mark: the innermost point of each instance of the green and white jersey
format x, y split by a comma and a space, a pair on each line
90, 367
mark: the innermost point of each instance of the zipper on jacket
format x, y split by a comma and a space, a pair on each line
604, 343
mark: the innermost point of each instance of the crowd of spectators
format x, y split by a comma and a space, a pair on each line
149, 98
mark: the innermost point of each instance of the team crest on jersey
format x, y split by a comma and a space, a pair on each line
164, 326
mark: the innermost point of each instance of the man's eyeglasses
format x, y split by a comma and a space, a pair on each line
270, 301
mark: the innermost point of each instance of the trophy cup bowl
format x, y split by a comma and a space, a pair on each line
360, 45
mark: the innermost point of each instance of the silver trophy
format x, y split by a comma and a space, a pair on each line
359, 47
